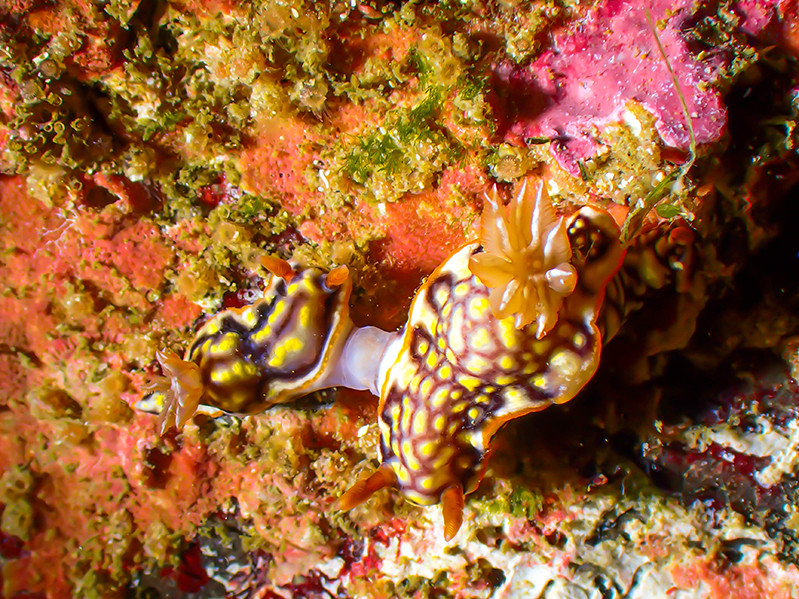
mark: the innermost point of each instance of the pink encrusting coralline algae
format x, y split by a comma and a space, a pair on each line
592, 69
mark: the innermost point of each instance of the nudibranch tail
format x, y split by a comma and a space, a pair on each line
526, 257
362, 490
182, 388
452, 510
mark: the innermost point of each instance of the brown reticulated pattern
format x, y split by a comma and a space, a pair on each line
460, 371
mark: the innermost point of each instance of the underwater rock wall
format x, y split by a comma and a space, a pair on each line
151, 153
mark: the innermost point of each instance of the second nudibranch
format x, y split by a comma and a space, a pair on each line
285, 345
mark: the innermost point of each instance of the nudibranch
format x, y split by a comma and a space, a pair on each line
285, 345
507, 325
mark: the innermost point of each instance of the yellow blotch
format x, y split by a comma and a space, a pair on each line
478, 308
480, 339
277, 310
402, 473
470, 382
293, 288
221, 375
414, 386
477, 365
456, 394
442, 344
304, 316
278, 356
439, 398
505, 379
407, 448
422, 347
420, 422
446, 310
293, 345
455, 334
225, 345
542, 346
531, 366
426, 482
507, 362
441, 296
432, 360
445, 371
261, 335
243, 369
212, 328
443, 457
426, 387
540, 381
451, 355
440, 422
427, 448
482, 399
250, 317
461, 289
405, 424
395, 413
507, 333
459, 407
579, 340
514, 398
206, 346
473, 413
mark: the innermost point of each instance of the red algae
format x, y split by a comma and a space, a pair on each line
729, 581
586, 79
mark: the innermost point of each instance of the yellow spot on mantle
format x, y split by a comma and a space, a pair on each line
225, 345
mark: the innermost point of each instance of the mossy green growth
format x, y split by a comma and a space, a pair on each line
404, 155
519, 503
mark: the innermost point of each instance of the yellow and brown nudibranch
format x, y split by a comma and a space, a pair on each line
245, 360
504, 327
507, 325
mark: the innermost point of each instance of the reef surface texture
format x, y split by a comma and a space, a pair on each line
151, 153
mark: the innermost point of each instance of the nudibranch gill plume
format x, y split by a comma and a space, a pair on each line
506, 326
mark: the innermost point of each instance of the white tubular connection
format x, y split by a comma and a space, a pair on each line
359, 364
